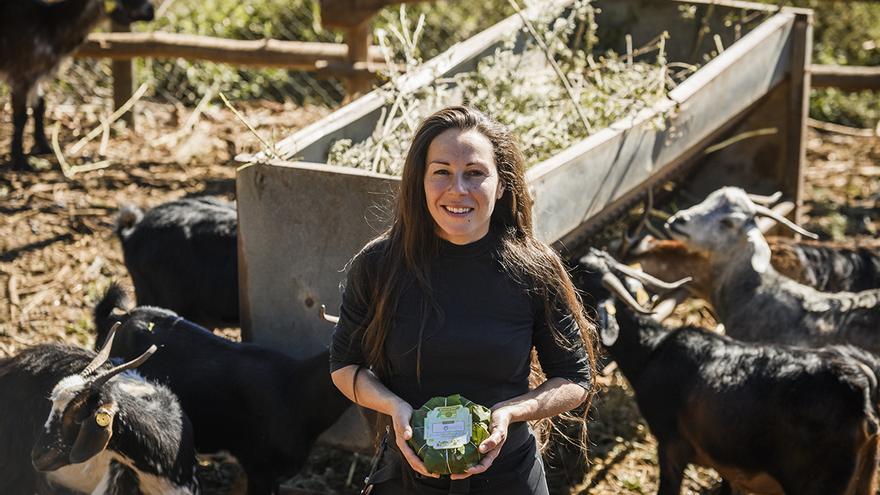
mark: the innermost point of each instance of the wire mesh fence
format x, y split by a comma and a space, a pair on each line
185, 82
849, 36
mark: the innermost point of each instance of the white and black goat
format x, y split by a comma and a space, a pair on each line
35, 35
755, 302
71, 422
264, 407
182, 255
771, 419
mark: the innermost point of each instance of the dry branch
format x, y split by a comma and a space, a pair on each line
78, 146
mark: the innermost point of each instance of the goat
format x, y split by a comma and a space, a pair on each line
264, 407
35, 35
99, 432
183, 256
824, 266
755, 302
769, 418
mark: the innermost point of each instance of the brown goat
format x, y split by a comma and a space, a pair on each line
823, 265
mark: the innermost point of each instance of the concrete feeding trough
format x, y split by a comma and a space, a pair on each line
300, 221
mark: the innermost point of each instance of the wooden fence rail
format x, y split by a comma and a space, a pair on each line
300, 55
846, 77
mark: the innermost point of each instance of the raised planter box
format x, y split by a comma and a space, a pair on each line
301, 221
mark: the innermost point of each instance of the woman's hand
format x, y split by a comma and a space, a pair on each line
400, 417
490, 447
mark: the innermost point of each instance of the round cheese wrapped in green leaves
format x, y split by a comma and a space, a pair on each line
453, 458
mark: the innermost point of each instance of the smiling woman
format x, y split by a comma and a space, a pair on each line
461, 185
451, 300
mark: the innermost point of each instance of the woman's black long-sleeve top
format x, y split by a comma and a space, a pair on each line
479, 348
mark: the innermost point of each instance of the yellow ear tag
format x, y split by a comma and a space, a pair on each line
102, 419
610, 308
109, 5
642, 296
150, 326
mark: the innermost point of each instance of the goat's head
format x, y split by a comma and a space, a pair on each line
602, 282
724, 223
672, 260
128, 11
80, 423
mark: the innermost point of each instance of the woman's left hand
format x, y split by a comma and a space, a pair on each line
490, 447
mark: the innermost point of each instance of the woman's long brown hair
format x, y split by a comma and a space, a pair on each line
412, 242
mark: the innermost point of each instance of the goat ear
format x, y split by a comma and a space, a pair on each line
93, 437
609, 330
761, 255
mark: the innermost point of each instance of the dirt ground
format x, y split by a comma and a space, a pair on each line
58, 253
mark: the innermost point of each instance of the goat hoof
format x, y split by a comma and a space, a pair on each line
20, 164
41, 149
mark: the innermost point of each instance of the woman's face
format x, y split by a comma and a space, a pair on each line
461, 185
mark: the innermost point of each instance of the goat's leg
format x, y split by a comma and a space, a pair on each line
19, 119
836, 476
261, 481
41, 144
673, 459
865, 477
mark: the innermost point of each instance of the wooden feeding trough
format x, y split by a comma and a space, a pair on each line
300, 221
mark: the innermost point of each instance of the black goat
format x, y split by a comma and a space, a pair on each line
769, 418
264, 407
35, 35
829, 266
106, 432
182, 255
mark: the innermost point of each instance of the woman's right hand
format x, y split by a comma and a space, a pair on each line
400, 417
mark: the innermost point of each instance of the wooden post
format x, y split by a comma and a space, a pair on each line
123, 79
358, 38
798, 109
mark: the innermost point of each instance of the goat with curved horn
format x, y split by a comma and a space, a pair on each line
694, 387
767, 212
745, 283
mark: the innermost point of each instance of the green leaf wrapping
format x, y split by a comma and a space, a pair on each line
450, 461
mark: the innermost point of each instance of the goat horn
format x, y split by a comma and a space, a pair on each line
612, 283
646, 278
767, 212
134, 363
103, 354
322, 311
765, 200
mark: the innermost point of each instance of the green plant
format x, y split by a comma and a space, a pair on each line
518, 87
450, 460
844, 33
